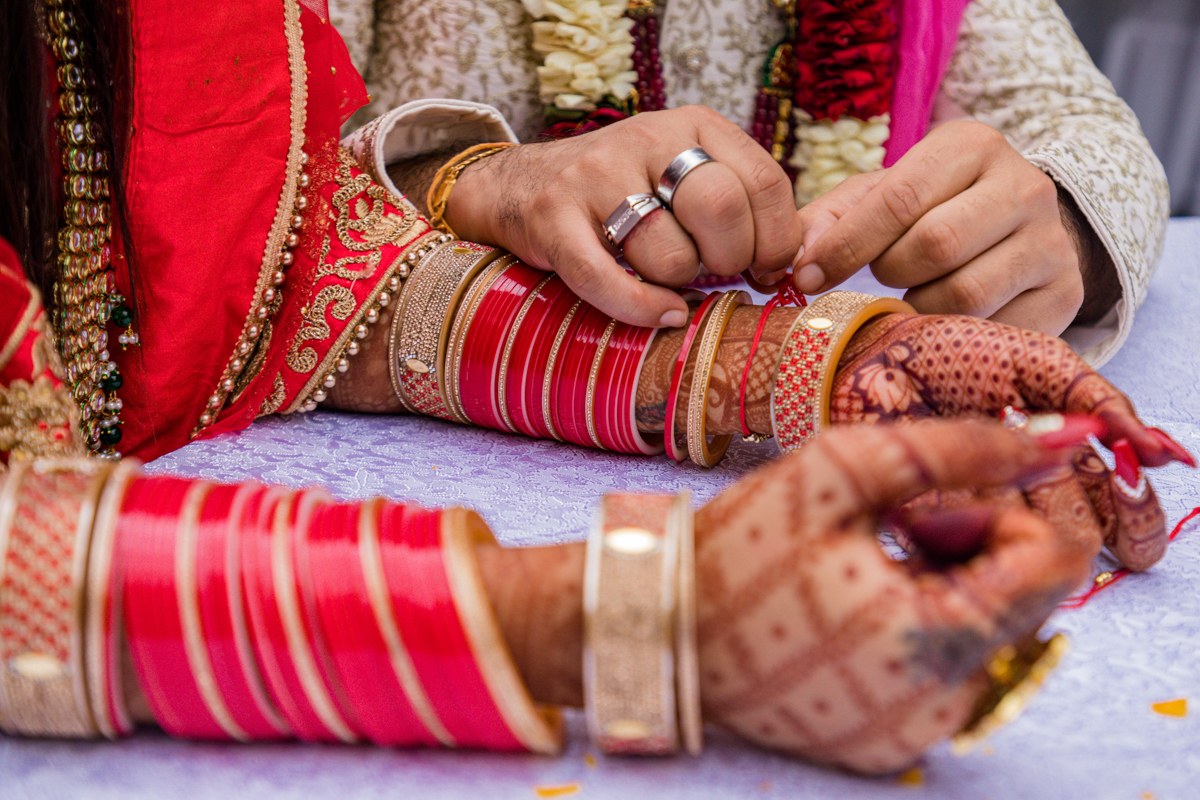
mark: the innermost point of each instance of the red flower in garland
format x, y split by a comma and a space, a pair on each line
845, 56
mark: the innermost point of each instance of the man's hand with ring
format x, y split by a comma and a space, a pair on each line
548, 204
963, 221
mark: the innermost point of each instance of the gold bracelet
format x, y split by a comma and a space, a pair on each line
467, 310
801, 396
706, 356
447, 176
421, 326
631, 604
49, 508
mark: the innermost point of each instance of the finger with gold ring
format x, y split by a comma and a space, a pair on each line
677, 170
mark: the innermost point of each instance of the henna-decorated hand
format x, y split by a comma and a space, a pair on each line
909, 367
815, 642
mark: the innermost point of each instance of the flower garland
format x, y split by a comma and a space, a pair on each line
845, 61
588, 51
823, 105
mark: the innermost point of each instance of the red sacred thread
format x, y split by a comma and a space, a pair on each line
786, 294
1079, 601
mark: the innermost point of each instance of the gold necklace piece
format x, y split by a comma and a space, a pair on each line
85, 295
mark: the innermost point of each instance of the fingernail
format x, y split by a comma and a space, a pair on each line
799, 255
950, 535
810, 279
673, 319
1128, 468
1173, 447
1057, 431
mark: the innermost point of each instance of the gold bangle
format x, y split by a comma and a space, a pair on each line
706, 356
458, 333
502, 383
447, 176
548, 378
630, 608
421, 326
801, 396
49, 511
103, 630
590, 408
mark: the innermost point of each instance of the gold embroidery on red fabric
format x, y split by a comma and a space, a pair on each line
338, 302
275, 399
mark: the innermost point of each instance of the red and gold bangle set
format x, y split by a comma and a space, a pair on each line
249, 613
513, 349
481, 338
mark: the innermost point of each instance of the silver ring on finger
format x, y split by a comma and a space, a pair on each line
633, 210
677, 170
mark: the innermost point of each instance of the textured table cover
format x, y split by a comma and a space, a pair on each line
1091, 734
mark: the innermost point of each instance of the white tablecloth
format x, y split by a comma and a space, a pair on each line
1091, 734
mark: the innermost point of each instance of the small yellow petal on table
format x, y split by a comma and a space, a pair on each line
590, 760
1147, 795
561, 790
914, 777
1171, 708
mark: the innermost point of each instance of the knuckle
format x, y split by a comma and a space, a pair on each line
767, 179
1039, 190
672, 264
902, 199
941, 244
967, 295
723, 199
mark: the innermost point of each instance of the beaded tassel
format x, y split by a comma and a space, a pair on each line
86, 296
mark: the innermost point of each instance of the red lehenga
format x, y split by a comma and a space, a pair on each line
229, 100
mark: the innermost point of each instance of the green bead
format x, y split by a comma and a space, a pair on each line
112, 381
122, 316
110, 436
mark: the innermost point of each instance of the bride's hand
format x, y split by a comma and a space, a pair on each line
547, 203
909, 367
813, 641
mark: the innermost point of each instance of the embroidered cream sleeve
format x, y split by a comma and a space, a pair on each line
1019, 67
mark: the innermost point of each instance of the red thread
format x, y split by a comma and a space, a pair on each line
786, 294
1079, 601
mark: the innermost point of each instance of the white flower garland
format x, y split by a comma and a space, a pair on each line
588, 51
829, 152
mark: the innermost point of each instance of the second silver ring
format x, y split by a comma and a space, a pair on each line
677, 170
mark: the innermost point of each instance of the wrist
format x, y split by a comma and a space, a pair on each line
1101, 285
473, 197
537, 596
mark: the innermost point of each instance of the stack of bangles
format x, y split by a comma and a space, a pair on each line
259, 613
481, 338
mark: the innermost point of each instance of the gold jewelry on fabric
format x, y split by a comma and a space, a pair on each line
463, 318
421, 325
102, 616
706, 356
631, 607
47, 509
538, 728
1015, 673
447, 176
801, 396
590, 408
